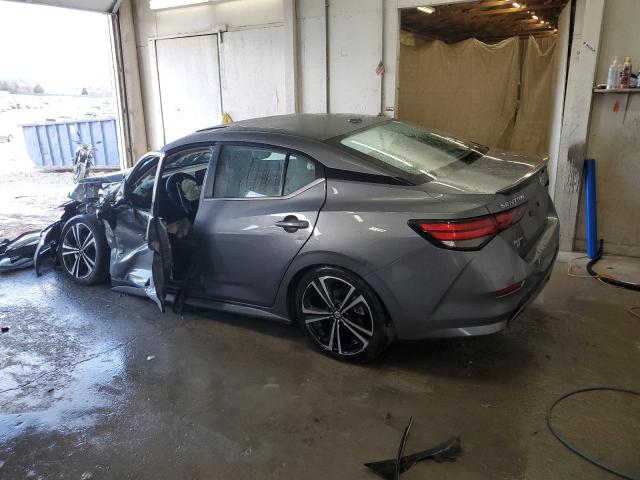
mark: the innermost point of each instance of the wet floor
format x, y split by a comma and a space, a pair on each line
97, 384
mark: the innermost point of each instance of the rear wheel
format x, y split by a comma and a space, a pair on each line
83, 252
340, 314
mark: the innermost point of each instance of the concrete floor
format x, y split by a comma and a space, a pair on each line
96, 384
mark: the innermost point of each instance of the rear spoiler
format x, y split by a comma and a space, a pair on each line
526, 178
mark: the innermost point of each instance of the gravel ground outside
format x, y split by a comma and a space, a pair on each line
29, 198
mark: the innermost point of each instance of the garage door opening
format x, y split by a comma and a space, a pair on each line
491, 71
57, 93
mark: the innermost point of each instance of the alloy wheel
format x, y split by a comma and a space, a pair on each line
337, 315
79, 251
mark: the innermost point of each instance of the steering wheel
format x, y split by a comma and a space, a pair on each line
173, 187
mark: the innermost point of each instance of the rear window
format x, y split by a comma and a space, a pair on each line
412, 153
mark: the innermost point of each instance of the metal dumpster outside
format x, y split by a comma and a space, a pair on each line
51, 145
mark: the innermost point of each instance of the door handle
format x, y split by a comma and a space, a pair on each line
291, 224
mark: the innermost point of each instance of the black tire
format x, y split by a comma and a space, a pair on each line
83, 252
354, 327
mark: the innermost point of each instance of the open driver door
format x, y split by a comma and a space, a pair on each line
159, 243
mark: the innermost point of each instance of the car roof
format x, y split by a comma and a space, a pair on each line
306, 133
319, 126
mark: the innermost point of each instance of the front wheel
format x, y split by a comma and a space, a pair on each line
83, 252
341, 315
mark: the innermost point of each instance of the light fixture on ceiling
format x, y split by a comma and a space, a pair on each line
542, 22
162, 4
535, 17
426, 9
555, 30
516, 4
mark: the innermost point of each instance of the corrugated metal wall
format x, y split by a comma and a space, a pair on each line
53, 145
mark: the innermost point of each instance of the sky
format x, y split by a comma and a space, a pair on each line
61, 49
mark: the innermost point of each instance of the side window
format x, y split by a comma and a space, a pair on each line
193, 162
245, 172
141, 189
301, 171
248, 172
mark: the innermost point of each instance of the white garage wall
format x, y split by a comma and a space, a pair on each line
252, 72
338, 55
559, 89
338, 74
355, 49
189, 61
312, 58
239, 17
613, 138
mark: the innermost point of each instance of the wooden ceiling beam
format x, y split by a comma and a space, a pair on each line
499, 11
495, 11
487, 4
494, 21
484, 19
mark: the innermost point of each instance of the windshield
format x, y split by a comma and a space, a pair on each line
412, 153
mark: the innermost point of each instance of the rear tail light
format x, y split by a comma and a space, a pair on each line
468, 234
503, 292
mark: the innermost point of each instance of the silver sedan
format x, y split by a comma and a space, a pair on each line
359, 229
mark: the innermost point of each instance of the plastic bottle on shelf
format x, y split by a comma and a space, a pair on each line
613, 80
626, 73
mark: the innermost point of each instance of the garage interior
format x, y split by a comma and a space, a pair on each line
475, 71
97, 384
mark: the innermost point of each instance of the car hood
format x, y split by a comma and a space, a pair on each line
496, 171
109, 178
88, 189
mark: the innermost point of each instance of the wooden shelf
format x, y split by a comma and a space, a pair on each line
616, 90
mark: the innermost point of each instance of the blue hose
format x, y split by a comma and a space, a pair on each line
590, 203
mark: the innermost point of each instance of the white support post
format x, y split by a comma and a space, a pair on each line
129, 85
575, 124
290, 56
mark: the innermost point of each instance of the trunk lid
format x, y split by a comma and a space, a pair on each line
507, 180
494, 172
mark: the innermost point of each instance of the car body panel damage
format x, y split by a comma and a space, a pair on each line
18, 253
124, 227
47, 244
33, 248
88, 190
131, 258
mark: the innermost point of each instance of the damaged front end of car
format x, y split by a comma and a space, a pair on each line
31, 249
18, 253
